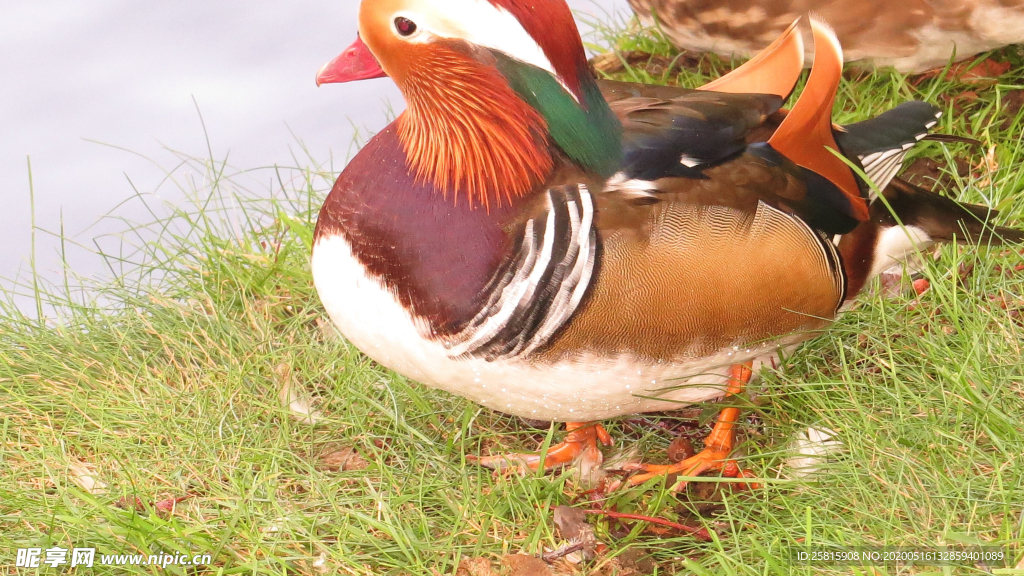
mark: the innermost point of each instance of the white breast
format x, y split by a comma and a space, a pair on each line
584, 388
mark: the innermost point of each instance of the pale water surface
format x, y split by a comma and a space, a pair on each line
131, 74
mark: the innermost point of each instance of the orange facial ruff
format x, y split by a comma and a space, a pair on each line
467, 132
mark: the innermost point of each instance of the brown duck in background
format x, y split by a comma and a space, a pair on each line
911, 36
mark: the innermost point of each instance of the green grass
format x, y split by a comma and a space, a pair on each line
167, 381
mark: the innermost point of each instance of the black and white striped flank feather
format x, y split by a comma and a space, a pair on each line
537, 291
882, 142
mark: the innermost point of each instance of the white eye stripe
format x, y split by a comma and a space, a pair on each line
478, 22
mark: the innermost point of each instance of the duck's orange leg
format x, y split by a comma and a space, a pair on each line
579, 444
717, 446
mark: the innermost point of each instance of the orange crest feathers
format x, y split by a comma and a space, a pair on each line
467, 132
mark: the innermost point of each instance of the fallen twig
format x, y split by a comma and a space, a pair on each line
561, 552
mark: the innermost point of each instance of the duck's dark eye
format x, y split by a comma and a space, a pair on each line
405, 26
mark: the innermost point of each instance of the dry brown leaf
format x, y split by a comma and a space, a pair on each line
573, 527
163, 507
965, 97
984, 72
1013, 101
571, 522
340, 458
631, 562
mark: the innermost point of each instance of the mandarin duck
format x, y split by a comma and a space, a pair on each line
561, 248
911, 36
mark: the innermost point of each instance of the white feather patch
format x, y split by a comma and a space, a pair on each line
896, 246
569, 294
811, 449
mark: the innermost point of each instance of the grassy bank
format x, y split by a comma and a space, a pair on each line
202, 404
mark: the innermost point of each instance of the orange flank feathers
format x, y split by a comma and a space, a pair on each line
806, 133
465, 130
773, 70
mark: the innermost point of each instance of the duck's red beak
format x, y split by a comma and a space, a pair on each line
355, 63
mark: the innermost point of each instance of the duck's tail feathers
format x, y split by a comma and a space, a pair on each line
805, 136
774, 70
951, 139
908, 220
942, 219
881, 143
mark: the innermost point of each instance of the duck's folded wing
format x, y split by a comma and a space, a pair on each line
696, 147
671, 131
682, 135
757, 176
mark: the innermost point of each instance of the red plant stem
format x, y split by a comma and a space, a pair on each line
698, 533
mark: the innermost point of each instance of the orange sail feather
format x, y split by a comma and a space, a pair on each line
805, 136
773, 70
